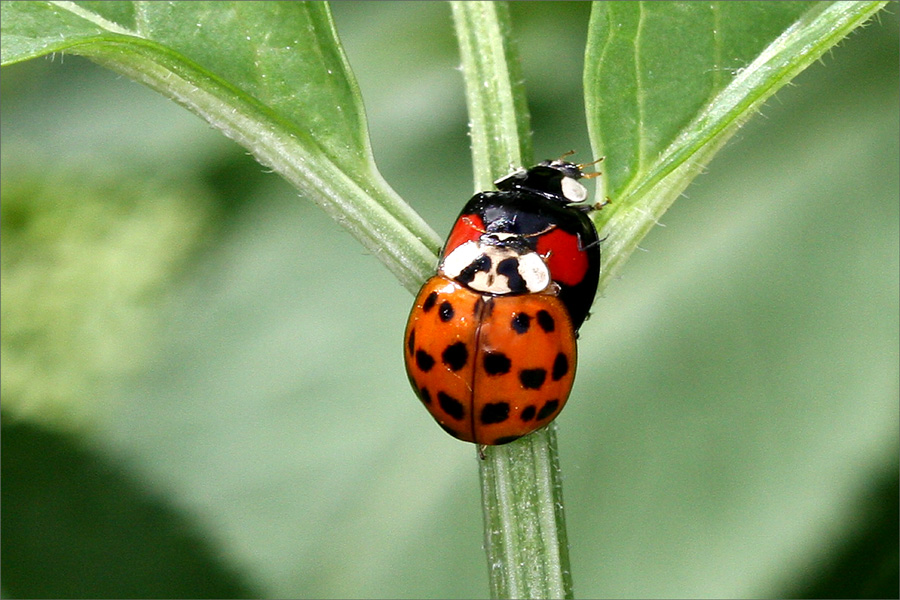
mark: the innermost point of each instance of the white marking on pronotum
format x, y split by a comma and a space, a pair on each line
485, 278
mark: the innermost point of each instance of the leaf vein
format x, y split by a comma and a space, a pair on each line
717, 48
92, 17
641, 95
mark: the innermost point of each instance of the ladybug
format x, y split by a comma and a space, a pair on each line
489, 346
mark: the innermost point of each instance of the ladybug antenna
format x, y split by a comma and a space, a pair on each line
569, 153
595, 173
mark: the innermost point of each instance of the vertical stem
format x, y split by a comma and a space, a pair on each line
525, 530
498, 113
521, 484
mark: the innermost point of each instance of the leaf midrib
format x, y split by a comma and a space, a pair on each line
94, 18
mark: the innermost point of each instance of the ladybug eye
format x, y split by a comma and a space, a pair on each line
573, 191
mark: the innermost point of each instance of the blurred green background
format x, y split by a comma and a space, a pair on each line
203, 391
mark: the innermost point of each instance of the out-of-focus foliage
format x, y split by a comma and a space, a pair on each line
85, 261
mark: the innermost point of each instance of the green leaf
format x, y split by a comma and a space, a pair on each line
667, 83
271, 76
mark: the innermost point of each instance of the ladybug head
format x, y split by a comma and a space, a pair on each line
553, 179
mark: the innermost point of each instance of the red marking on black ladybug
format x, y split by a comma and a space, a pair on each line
533, 205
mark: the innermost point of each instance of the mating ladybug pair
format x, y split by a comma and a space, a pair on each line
490, 343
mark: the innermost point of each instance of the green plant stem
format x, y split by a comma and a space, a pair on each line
498, 113
521, 483
525, 528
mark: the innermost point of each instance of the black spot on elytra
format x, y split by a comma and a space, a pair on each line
445, 311
451, 431
482, 263
424, 360
425, 396
496, 363
532, 379
411, 342
494, 412
505, 440
455, 356
521, 322
509, 268
451, 406
548, 409
545, 320
528, 413
429, 302
560, 367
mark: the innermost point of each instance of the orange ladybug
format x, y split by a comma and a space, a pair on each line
489, 369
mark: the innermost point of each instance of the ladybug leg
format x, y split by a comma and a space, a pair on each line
481, 448
591, 245
583, 165
589, 208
